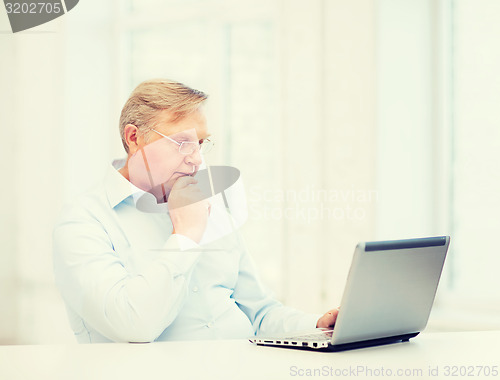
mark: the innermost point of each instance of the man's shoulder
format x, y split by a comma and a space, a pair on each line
87, 205
97, 200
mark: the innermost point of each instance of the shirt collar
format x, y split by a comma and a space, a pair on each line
119, 189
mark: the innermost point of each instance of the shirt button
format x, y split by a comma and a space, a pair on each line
210, 324
195, 289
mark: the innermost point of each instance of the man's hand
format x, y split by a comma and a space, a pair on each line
328, 320
188, 209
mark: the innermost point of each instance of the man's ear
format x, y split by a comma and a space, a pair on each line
131, 134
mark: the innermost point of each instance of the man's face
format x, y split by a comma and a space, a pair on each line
158, 162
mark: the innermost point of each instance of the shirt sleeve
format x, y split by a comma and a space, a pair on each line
96, 284
267, 315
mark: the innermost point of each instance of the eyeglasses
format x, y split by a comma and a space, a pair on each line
189, 147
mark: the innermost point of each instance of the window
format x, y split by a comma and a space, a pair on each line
475, 59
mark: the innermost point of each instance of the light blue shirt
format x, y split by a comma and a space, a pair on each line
125, 278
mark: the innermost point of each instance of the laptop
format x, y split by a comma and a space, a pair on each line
388, 297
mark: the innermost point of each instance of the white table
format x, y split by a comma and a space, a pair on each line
238, 359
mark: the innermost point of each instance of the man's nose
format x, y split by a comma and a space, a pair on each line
194, 158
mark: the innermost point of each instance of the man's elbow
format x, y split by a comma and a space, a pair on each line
139, 329
137, 334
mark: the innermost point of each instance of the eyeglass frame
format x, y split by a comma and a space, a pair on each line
198, 146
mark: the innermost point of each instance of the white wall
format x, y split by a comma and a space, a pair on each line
8, 220
32, 104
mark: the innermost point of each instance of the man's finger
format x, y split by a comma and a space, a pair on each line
184, 182
332, 316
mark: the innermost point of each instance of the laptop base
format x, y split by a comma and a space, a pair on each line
372, 342
353, 345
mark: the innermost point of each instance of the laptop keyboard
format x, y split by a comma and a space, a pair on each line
314, 337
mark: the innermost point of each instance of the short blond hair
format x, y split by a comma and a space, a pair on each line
153, 96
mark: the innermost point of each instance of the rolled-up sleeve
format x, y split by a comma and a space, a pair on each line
121, 305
